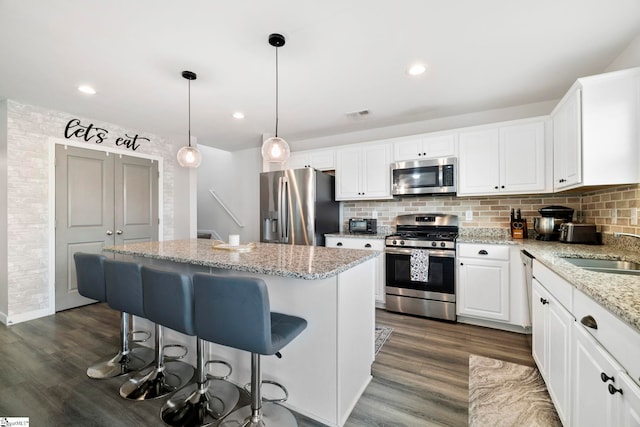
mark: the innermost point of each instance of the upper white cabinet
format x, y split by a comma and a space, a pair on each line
362, 172
426, 146
317, 159
596, 128
505, 159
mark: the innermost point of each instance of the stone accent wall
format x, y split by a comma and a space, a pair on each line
30, 131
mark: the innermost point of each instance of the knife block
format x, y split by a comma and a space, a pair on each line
519, 229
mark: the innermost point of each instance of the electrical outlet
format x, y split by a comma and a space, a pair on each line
614, 216
374, 214
634, 216
468, 215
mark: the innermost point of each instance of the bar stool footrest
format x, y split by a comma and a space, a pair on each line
247, 388
221, 362
178, 357
132, 336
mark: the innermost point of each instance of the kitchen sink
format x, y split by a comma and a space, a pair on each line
606, 265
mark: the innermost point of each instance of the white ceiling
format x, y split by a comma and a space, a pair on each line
340, 56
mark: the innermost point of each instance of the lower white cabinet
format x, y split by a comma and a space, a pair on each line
483, 281
367, 244
551, 347
587, 356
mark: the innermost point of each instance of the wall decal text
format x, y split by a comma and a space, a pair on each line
91, 133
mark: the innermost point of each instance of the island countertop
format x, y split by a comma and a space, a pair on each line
296, 261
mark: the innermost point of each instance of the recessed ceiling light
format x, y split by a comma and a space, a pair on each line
417, 69
87, 89
238, 115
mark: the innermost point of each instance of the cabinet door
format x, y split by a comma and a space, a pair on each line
630, 415
376, 175
522, 166
408, 149
594, 405
321, 160
298, 160
348, 174
538, 326
479, 161
567, 142
558, 337
439, 146
483, 289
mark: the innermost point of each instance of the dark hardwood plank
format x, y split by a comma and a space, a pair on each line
420, 376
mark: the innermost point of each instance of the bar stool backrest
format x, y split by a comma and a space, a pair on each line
233, 311
90, 275
124, 286
168, 299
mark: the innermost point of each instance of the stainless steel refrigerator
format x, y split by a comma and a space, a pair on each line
297, 207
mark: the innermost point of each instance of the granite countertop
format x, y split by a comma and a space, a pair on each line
618, 293
489, 240
302, 262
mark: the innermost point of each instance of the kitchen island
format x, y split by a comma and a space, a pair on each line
328, 366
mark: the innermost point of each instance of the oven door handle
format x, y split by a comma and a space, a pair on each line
435, 253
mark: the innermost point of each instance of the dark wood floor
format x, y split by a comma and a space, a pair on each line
420, 377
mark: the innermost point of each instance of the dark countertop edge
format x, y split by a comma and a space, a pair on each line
367, 255
357, 236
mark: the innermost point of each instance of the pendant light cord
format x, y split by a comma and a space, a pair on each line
189, 109
277, 91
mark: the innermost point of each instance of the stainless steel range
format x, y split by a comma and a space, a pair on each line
420, 261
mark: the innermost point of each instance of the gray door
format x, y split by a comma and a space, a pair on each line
101, 199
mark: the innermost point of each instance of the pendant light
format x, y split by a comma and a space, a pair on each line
189, 157
275, 149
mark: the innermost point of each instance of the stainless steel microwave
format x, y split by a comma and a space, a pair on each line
431, 176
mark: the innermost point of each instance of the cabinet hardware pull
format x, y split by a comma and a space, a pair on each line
109, 233
339, 244
502, 186
483, 252
462, 263
118, 232
589, 322
613, 390
544, 301
368, 245
604, 377
496, 187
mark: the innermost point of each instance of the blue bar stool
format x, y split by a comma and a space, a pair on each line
90, 273
168, 301
234, 311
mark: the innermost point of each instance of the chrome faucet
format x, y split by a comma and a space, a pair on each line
626, 234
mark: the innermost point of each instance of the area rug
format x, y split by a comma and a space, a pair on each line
382, 334
508, 394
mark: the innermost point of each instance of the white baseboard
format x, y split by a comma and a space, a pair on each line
493, 324
3, 318
25, 317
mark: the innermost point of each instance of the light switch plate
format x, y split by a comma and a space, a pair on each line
614, 216
468, 215
634, 216
374, 214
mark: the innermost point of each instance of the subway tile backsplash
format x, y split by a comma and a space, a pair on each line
493, 212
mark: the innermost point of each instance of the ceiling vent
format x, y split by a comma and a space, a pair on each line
358, 115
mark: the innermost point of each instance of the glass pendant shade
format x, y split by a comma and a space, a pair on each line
275, 150
189, 157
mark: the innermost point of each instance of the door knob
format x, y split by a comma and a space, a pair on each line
109, 233
118, 232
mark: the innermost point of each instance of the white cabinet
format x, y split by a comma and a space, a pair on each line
362, 172
483, 281
367, 244
317, 159
551, 341
593, 371
596, 131
425, 146
504, 159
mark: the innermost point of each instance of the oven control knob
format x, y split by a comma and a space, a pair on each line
433, 243
443, 244
402, 242
395, 242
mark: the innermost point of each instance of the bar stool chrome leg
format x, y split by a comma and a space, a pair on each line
159, 380
127, 360
203, 403
259, 413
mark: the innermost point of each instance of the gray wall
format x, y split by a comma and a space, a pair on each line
3, 212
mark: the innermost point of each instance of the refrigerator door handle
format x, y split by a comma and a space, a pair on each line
284, 209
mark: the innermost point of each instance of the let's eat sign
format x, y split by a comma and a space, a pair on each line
92, 133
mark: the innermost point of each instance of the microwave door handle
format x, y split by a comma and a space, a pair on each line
440, 176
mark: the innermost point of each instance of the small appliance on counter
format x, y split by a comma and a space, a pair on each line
578, 233
518, 225
548, 227
363, 226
